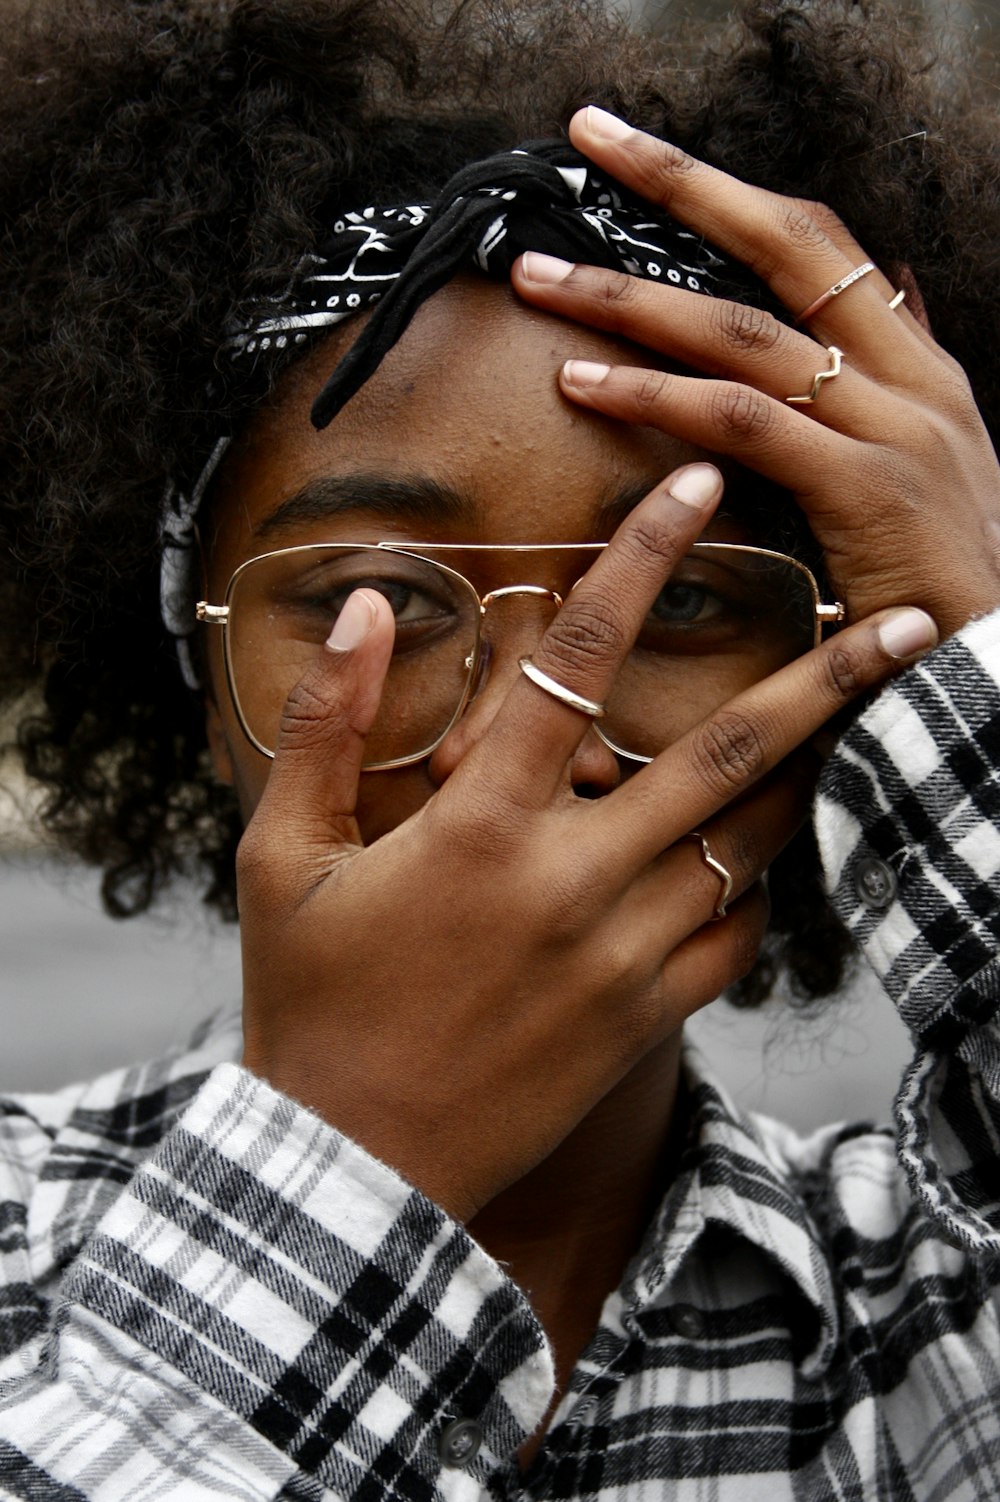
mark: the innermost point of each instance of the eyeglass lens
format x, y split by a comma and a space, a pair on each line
726, 619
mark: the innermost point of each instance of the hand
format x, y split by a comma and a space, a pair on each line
416, 993
891, 465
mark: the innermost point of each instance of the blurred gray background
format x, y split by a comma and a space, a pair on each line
81, 993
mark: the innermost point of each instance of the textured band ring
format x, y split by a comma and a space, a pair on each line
560, 691
720, 871
836, 357
836, 290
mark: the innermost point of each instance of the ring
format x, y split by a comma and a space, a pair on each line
836, 290
898, 300
560, 691
720, 872
836, 356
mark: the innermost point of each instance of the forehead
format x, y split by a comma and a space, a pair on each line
468, 401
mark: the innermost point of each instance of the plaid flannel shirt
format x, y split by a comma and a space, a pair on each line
206, 1292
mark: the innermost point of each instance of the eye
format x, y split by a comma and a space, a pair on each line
685, 603
410, 605
705, 607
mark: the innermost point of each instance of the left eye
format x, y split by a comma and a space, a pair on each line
684, 604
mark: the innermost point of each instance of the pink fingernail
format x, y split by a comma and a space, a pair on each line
907, 632
537, 267
697, 486
603, 123
352, 624
585, 372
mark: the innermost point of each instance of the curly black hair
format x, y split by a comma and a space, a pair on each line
163, 164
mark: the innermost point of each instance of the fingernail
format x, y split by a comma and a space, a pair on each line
603, 123
541, 268
697, 486
352, 624
584, 372
907, 632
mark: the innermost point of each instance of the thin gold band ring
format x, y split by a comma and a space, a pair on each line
559, 690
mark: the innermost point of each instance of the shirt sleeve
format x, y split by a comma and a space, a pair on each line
264, 1311
908, 824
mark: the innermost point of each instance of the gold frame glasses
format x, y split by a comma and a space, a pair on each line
475, 662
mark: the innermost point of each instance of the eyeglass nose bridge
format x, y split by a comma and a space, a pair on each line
481, 661
519, 589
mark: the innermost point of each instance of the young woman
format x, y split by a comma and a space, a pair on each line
537, 528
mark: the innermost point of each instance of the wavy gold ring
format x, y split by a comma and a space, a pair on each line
836, 357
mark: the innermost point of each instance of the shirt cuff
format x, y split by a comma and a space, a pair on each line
908, 826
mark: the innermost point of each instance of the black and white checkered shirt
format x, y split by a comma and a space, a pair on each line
206, 1292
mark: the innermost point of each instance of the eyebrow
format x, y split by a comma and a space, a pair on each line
412, 499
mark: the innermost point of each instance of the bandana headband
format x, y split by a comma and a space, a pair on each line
388, 260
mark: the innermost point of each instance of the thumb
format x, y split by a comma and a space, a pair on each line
312, 791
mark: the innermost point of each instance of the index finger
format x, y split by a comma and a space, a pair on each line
537, 729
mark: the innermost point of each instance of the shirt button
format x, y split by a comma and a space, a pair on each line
687, 1321
460, 1442
875, 883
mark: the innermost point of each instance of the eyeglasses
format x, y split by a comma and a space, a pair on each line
729, 615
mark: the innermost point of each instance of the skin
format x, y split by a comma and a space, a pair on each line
568, 916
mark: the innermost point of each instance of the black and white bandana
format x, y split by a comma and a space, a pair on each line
387, 260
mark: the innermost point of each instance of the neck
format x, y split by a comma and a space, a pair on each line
568, 1229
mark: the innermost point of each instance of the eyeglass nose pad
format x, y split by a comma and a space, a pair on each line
482, 668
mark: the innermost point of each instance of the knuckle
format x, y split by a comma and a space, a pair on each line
649, 539
825, 219
799, 227
728, 751
581, 639
843, 671
665, 163
614, 293
748, 330
255, 860
309, 716
742, 414
649, 388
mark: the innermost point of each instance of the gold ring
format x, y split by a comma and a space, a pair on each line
836, 357
560, 691
836, 290
720, 871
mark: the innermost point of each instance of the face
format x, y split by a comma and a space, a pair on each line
461, 436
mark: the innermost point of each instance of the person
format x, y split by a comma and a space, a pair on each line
542, 524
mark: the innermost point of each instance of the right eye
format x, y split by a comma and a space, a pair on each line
423, 606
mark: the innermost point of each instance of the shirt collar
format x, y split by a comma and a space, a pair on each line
734, 1176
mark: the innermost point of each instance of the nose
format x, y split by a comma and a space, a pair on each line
593, 768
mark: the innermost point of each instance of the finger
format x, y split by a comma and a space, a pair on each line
743, 840
724, 417
535, 733
720, 759
312, 790
733, 341
782, 240
714, 957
